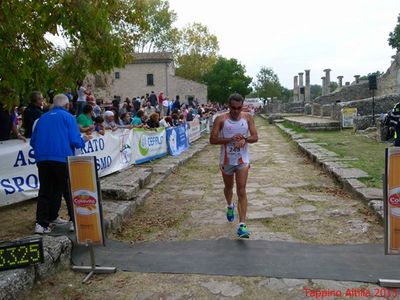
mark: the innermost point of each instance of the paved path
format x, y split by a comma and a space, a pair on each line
289, 200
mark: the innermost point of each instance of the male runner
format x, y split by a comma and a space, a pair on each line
231, 131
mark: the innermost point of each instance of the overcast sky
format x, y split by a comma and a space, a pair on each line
289, 36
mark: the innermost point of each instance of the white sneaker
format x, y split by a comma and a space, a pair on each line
58, 221
41, 230
71, 227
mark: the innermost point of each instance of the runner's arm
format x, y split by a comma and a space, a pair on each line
215, 139
253, 138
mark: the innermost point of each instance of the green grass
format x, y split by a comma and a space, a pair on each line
295, 128
370, 153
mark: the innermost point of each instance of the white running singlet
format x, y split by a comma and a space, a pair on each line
231, 155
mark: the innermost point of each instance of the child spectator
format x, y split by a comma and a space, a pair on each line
99, 125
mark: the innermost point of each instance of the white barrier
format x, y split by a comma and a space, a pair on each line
114, 151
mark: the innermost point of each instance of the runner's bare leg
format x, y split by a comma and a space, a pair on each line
228, 189
241, 181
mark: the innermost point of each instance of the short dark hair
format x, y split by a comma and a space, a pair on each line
87, 108
98, 119
35, 96
236, 97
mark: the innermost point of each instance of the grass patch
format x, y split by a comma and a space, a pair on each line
370, 153
295, 128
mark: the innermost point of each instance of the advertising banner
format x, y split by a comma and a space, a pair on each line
392, 200
348, 114
85, 195
148, 144
177, 139
194, 130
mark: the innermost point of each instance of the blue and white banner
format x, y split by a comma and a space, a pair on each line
177, 139
194, 129
148, 144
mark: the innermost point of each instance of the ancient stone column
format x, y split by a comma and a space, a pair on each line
301, 87
307, 92
357, 78
340, 82
295, 89
327, 80
323, 86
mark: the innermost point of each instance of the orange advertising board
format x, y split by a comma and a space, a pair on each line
85, 195
392, 200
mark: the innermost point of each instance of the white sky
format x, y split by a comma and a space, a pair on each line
289, 36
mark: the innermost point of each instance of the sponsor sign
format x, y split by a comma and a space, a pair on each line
348, 114
85, 195
194, 130
177, 139
392, 200
148, 144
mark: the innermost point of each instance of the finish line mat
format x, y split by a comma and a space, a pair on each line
364, 263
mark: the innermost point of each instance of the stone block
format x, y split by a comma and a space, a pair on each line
14, 283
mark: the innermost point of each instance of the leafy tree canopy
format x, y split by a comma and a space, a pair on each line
394, 37
315, 91
28, 61
267, 84
196, 51
226, 76
376, 73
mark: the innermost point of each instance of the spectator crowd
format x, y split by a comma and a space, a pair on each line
147, 111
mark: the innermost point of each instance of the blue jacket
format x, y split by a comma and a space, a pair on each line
56, 136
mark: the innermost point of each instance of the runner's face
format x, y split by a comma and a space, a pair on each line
235, 108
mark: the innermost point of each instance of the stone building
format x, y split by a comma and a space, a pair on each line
147, 72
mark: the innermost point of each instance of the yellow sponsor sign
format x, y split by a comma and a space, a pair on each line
392, 200
348, 114
86, 200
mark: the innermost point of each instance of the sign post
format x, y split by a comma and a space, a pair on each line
391, 202
86, 195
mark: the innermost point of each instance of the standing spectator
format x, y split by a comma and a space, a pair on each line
136, 105
125, 119
177, 104
149, 109
161, 98
8, 125
53, 139
32, 112
81, 102
153, 99
165, 107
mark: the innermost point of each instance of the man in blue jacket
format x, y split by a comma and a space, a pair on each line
55, 137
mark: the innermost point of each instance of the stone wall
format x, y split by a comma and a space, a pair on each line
346, 93
277, 106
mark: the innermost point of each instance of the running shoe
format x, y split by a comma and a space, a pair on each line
230, 213
58, 221
71, 226
242, 231
41, 230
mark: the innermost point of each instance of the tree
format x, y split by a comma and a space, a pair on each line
267, 84
394, 37
196, 52
315, 91
158, 34
376, 73
27, 58
226, 76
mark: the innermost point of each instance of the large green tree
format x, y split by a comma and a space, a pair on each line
28, 60
225, 77
196, 51
158, 34
267, 84
394, 37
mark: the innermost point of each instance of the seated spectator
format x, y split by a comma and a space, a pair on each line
190, 115
149, 109
175, 119
126, 119
109, 122
99, 125
166, 122
137, 119
153, 121
85, 121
